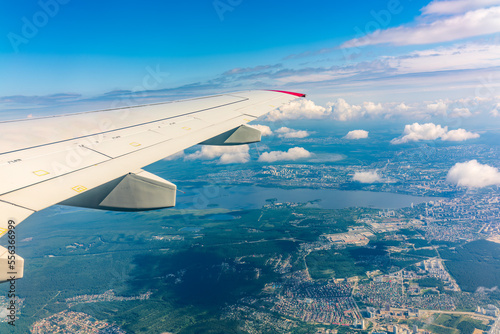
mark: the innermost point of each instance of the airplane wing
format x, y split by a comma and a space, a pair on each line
94, 159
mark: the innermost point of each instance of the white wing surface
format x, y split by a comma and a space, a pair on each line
94, 159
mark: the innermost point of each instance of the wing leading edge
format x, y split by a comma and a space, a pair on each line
94, 159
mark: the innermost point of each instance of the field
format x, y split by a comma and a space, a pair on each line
194, 264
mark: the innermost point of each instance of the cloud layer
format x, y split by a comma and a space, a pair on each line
431, 131
292, 154
342, 110
472, 174
476, 22
301, 109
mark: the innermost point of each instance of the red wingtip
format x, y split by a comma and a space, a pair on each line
285, 92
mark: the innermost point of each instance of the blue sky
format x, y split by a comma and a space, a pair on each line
396, 54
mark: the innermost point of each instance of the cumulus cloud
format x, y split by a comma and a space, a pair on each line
459, 135
339, 110
175, 156
460, 113
438, 107
431, 131
285, 132
472, 174
417, 132
292, 154
299, 109
402, 107
264, 129
367, 177
356, 134
477, 22
225, 154
343, 111
373, 108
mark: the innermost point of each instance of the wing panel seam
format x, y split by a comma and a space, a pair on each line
111, 158
17, 205
123, 128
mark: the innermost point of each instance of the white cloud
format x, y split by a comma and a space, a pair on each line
459, 135
340, 110
496, 111
402, 107
294, 153
285, 132
437, 108
460, 113
175, 156
372, 108
343, 111
472, 174
440, 7
299, 109
431, 131
356, 134
474, 106
234, 158
367, 177
478, 22
483, 289
264, 129
417, 132
225, 154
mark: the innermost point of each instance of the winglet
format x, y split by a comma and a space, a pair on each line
285, 92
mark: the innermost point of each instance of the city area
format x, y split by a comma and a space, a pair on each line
269, 249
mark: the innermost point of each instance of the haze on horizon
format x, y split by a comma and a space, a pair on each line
395, 59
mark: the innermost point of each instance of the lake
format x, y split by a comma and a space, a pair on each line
254, 197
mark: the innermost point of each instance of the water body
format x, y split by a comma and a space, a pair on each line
254, 197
